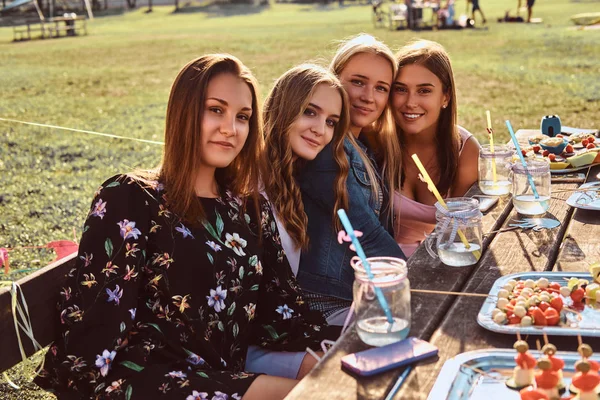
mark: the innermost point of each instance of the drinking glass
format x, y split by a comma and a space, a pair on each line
390, 276
501, 158
524, 199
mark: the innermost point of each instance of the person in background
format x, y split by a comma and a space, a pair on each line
530, 4
179, 268
366, 68
425, 111
446, 14
306, 110
475, 7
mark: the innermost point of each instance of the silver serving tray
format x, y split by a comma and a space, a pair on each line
456, 381
586, 200
589, 325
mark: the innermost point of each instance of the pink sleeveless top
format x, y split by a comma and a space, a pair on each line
415, 220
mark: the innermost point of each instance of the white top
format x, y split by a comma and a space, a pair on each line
291, 251
289, 248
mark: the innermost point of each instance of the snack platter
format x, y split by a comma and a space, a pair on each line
565, 153
456, 381
585, 322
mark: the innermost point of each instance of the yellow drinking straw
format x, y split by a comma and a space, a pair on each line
440, 200
491, 132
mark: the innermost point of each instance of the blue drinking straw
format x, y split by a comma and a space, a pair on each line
518, 148
350, 231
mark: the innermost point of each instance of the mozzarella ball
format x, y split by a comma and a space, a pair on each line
500, 318
526, 321
530, 283
542, 283
520, 311
502, 303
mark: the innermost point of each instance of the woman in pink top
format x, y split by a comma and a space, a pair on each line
424, 107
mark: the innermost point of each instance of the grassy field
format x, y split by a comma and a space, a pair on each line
117, 80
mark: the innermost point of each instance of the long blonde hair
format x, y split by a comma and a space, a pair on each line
381, 135
433, 56
286, 102
181, 155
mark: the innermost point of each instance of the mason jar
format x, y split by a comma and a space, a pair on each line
457, 237
389, 277
494, 170
525, 200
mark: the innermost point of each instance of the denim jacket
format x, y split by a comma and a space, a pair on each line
325, 267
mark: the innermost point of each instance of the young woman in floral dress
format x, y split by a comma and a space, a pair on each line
180, 269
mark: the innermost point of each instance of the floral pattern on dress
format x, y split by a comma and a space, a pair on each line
157, 307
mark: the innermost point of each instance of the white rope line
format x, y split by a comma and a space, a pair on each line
26, 326
83, 131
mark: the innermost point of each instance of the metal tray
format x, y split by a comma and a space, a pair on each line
456, 381
586, 200
589, 325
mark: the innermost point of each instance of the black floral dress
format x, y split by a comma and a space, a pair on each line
158, 309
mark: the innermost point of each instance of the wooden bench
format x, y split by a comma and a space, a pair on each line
71, 26
50, 28
23, 30
41, 290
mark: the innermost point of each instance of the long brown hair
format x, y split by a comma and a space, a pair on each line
381, 135
433, 56
284, 105
181, 156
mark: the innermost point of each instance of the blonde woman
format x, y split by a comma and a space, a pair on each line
366, 67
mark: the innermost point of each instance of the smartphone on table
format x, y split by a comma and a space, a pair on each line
380, 359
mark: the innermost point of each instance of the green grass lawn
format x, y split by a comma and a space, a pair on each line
117, 80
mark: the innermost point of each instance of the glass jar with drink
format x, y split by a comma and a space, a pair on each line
457, 237
390, 277
494, 170
531, 187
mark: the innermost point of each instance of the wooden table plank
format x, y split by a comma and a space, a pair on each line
581, 246
328, 381
509, 252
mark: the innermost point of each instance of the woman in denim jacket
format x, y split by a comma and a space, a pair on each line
306, 110
366, 67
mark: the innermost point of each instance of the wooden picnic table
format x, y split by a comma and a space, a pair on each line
450, 322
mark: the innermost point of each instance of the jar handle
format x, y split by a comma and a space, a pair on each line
430, 243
